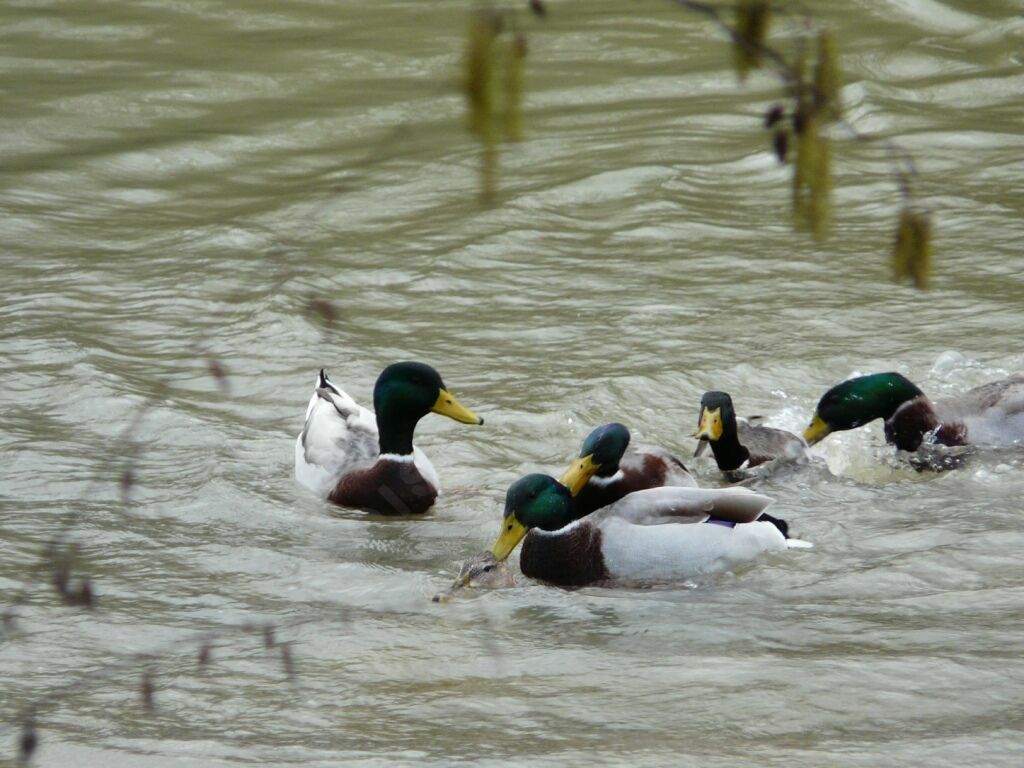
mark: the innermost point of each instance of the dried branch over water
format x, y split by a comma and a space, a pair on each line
159, 667
493, 84
59, 565
800, 127
160, 663
812, 107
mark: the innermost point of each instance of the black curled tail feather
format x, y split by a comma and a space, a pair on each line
322, 382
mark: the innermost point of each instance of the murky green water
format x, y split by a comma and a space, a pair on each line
180, 180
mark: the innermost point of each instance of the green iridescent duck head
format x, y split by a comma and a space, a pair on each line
857, 401
404, 394
600, 455
533, 501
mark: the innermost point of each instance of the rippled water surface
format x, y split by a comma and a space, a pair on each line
191, 181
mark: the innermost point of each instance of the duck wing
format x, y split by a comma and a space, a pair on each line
677, 504
766, 443
339, 436
1006, 394
992, 414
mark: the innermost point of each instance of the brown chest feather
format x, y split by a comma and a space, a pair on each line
569, 558
388, 488
908, 426
756, 460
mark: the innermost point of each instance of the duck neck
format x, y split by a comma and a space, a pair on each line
395, 433
729, 453
606, 473
603, 481
911, 421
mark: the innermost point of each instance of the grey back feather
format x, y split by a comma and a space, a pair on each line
769, 441
1007, 395
676, 504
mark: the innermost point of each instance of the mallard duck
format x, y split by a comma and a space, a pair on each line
740, 445
482, 571
605, 472
359, 460
992, 414
659, 534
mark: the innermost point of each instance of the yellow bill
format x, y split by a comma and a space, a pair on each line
512, 532
447, 405
578, 473
816, 431
710, 424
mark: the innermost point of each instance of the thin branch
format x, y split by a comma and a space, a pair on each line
903, 164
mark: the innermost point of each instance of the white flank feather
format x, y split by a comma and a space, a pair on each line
678, 552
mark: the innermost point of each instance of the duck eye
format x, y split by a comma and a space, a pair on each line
488, 568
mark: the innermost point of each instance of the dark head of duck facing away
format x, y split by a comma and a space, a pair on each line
404, 394
860, 400
604, 472
600, 454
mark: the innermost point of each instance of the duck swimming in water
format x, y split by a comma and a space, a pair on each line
992, 414
738, 445
656, 535
358, 459
604, 472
